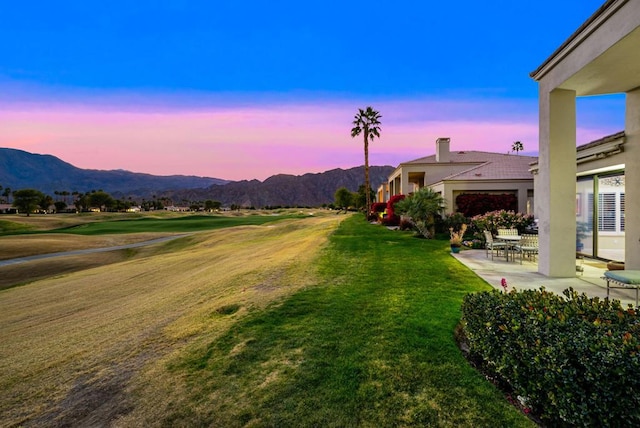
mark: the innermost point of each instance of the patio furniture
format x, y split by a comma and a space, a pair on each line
491, 244
510, 238
528, 245
623, 279
507, 232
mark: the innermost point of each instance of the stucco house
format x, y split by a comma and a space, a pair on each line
600, 197
600, 57
452, 173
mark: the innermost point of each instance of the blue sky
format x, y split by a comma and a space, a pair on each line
250, 89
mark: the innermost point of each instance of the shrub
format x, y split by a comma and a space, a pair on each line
574, 360
455, 220
423, 207
377, 208
406, 224
494, 220
391, 218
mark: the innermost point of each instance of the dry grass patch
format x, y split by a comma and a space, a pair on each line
14, 246
25, 273
75, 347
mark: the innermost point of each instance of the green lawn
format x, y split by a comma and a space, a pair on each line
371, 345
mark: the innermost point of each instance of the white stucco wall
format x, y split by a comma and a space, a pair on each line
601, 58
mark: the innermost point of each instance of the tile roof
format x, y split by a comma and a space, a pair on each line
484, 165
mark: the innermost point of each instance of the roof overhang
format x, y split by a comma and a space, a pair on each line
600, 149
615, 68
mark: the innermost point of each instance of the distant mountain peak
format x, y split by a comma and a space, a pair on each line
20, 170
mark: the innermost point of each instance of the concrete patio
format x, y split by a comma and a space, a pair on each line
525, 276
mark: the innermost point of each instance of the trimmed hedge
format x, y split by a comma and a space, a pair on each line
471, 204
574, 361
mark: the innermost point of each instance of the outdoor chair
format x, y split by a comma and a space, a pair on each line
492, 245
528, 246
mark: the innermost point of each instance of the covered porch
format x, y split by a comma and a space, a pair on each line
601, 57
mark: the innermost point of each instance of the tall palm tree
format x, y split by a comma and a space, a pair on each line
366, 122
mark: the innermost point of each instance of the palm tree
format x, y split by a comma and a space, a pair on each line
366, 122
7, 193
422, 207
517, 146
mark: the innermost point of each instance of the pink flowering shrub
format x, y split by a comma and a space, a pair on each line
502, 219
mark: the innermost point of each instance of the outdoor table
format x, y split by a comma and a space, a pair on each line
510, 241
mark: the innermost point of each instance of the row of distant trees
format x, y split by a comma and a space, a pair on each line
32, 200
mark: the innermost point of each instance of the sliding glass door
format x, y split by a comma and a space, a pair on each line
600, 219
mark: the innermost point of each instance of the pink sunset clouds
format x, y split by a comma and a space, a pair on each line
241, 141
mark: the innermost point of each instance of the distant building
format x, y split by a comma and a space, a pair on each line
177, 209
452, 173
8, 209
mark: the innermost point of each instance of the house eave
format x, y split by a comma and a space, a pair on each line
609, 8
595, 150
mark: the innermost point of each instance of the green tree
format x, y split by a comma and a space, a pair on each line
81, 201
343, 198
422, 207
102, 200
517, 147
360, 197
60, 206
27, 200
45, 202
210, 205
366, 122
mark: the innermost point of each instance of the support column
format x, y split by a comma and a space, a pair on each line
404, 186
522, 198
632, 177
555, 192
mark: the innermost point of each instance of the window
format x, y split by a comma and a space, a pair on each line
607, 212
622, 212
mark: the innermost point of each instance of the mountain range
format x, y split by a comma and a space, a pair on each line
20, 170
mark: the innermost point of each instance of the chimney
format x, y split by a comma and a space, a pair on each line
442, 149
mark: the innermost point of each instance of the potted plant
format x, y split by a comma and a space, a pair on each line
455, 239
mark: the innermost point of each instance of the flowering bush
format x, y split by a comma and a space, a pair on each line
390, 218
494, 220
377, 208
573, 360
474, 243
